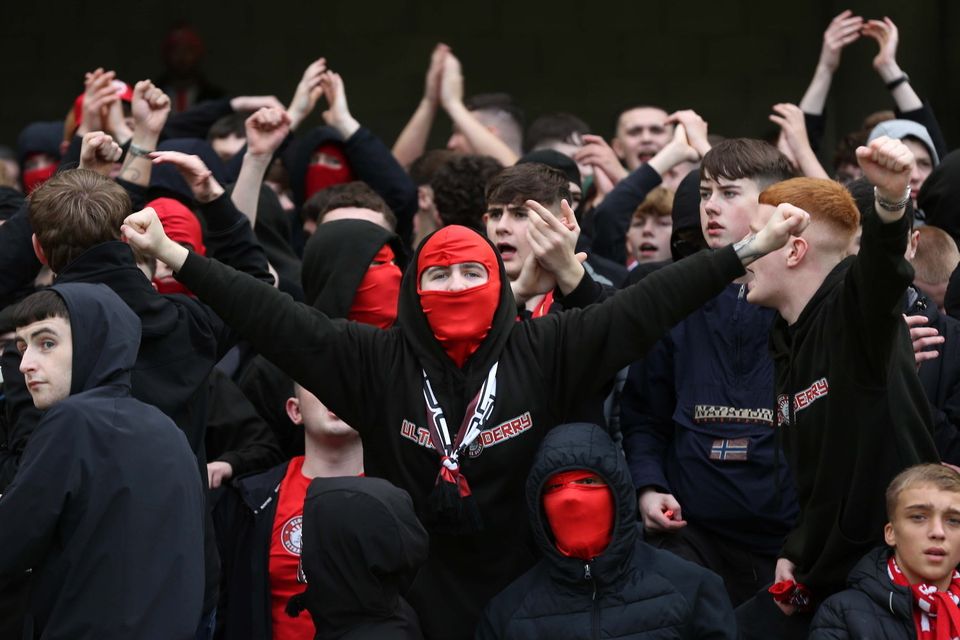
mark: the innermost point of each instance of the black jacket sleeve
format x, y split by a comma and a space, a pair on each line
373, 163
236, 434
196, 121
584, 348
231, 240
925, 116
334, 359
612, 217
20, 417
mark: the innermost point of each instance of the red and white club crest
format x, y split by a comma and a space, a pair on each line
291, 535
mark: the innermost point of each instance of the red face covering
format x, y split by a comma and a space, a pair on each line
324, 174
376, 300
33, 178
460, 320
181, 226
580, 515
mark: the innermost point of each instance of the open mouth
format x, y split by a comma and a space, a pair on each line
647, 248
714, 228
506, 250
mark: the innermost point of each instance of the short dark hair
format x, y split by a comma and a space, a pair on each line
755, 160
529, 181
426, 166
39, 306
351, 194
846, 149
496, 102
234, 123
459, 187
554, 127
75, 210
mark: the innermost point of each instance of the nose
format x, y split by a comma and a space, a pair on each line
936, 530
26, 362
457, 282
916, 178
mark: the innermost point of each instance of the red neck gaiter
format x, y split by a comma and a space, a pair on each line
580, 515
33, 178
181, 226
375, 302
460, 320
320, 175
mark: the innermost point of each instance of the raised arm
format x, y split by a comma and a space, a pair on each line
483, 141
307, 93
266, 130
150, 107
412, 141
794, 142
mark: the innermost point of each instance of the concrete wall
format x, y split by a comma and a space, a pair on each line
730, 60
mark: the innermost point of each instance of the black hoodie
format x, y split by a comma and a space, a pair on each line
850, 408
106, 508
631, 590
370, 160
939, 198
372, 379
335, 262
362, 547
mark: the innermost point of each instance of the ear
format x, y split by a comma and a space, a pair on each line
889, 536
797, 249
912, 242
38, 251
486, 218
293, 410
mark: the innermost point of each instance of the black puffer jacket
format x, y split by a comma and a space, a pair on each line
631, 590
872, 607
360, 532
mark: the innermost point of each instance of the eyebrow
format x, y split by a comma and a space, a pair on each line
41, 331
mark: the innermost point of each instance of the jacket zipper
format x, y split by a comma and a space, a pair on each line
595, 613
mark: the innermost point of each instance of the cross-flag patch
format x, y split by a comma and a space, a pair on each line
730, 450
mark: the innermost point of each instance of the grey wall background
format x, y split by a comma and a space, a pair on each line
729, 59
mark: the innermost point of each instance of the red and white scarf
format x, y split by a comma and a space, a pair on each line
937, 614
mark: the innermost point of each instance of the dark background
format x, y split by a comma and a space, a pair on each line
729, 60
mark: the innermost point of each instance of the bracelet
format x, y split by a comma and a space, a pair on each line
893, 84
891, 205
139, 152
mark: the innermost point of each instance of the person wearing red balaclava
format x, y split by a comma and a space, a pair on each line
459, 389
328, 166
598, 578
182, 226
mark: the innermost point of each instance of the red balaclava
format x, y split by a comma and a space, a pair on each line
460, 320
33, 178
580, 515
181, 226
321, 176
375, 302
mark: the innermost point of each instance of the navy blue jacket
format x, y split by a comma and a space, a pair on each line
697, 422
631, 590
106, 508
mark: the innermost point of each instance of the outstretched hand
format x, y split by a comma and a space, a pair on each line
844, 29
431, 89
99, 93
553, 241
307, 93
197, 175
887, 36
338, 113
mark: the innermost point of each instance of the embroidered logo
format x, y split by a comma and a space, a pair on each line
730, 450
291, 535
487, 438
715, 413
783, 410
808, 396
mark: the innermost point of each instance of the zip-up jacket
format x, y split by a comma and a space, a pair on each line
631, 590
697, 424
